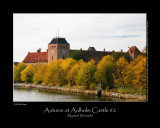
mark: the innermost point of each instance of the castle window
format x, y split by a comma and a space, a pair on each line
52, 57
63, 51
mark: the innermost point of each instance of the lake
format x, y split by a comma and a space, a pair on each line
41, 95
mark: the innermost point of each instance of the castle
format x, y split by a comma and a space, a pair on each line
59, 48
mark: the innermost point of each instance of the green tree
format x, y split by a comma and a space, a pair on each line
17, 72
76, 55
85, 74
27, 74
117, 55
105, 68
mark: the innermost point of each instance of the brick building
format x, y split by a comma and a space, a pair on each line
59, 48
134, 52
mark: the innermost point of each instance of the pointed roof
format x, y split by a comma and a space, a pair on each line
58, 41
133, 49
91, 49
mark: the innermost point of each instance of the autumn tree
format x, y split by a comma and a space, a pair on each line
39, 74
27, 74
120, 72
66, 66
144, 51
72, 73
14, 70
140, 73
105, 68
17, 72
85, 74
54, 73
136, 73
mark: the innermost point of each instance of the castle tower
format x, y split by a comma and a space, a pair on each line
58, 48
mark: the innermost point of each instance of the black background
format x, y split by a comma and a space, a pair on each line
125, 111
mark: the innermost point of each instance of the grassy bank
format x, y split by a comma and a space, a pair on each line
129, 90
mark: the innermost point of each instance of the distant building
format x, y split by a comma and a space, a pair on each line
134, 52
59, 48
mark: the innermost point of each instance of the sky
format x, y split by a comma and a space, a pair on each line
112, 31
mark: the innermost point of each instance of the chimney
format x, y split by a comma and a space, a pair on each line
28, 52
39, 50
121, 50
80, 49
47, 50
104, 49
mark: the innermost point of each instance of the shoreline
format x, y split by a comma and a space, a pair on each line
81, 91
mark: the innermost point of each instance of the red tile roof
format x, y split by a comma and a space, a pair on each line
133, 49
36, 57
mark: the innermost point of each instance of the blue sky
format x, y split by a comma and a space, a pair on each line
112, 31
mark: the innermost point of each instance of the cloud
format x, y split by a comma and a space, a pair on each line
110, 31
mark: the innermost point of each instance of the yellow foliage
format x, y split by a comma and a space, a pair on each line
67, 64
17, 71
85, 73
27, 74
120, 73
39, 74
105, 69
136, 73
